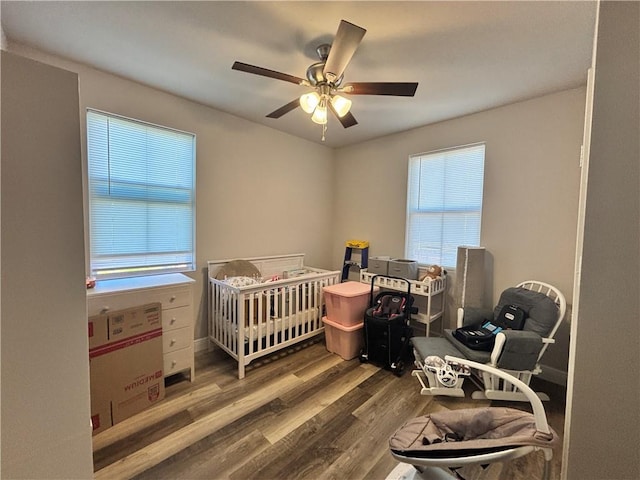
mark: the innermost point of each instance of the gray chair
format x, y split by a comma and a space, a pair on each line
517, 352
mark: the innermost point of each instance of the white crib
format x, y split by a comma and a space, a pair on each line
251, 321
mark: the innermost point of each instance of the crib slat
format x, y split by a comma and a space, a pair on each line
263, 321
251, 324
234, 311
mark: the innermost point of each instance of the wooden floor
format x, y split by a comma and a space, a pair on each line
300, 414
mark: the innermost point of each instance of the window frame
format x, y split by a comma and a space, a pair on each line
444, 257
117, 270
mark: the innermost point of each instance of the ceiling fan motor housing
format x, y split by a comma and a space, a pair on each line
315, 75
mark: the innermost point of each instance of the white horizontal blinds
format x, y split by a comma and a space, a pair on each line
444, 203
142, 197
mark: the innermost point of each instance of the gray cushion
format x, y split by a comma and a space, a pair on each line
476, 316
542, 312
438, 346
520, 351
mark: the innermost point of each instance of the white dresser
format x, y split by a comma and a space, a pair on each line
175, 292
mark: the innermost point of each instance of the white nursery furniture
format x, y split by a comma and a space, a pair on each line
174, 292
280, 303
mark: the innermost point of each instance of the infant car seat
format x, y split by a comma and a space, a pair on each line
387, 328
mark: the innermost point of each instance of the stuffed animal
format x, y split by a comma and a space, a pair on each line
433, 272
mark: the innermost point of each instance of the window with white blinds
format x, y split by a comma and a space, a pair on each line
141, 197
444, 203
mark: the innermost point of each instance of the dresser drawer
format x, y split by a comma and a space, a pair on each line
174, 318
171, 297
173, 340
178, 361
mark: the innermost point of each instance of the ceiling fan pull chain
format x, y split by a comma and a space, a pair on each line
324, 130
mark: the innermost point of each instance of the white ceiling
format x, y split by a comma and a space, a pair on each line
466, 56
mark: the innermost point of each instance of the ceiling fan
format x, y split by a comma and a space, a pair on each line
325, 78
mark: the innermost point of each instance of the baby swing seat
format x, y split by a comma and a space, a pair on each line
478, 436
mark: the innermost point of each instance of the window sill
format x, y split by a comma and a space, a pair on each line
134, 283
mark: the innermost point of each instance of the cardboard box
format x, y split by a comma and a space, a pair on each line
98, 331
133, 321
125, 367
100, 412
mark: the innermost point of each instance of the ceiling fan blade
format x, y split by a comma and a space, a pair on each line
265, 72
285, 109
347, 120
398, 89
344, 45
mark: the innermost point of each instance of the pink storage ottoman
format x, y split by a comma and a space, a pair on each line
346, 302
346, 341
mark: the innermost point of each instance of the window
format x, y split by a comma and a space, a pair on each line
141, 197
444, 204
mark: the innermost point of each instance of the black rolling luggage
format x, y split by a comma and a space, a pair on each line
387, 328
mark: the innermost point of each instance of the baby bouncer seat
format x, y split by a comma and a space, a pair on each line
517, 352
450, 440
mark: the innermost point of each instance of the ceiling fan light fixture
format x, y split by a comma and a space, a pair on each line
309, 101
320, 113
341, 105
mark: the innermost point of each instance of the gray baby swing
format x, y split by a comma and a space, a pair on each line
453, 439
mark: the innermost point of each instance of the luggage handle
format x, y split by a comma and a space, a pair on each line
373, 283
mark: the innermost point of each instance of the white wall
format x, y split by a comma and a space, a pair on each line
541, 136
45, 365
530, 192
603, 410
259, 191
248, 175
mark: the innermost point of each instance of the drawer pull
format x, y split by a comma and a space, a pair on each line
172, 321
105, 309
173, 342
173, 363
173, 298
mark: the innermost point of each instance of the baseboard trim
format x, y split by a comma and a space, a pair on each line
201, 344
553, 375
